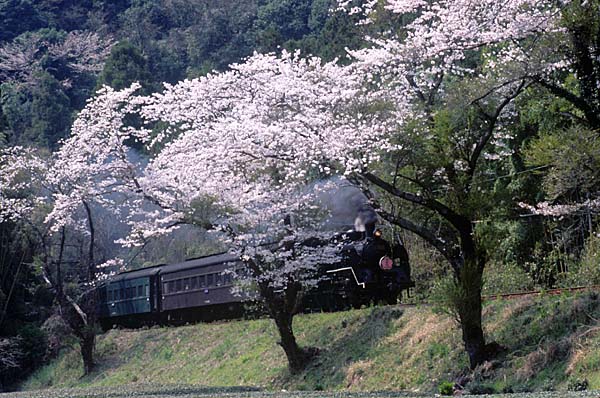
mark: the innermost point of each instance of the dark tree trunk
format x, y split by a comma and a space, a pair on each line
472, 334
82, 321
468, 307
297, 357
87, 343
467, 300
282, 305
87, 338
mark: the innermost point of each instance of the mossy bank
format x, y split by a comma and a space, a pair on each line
550, 343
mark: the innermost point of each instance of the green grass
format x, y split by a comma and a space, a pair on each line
551, 342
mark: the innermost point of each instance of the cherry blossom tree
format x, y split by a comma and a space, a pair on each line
235, 154
78, 52
25, 200
460, 64
66, 188
249, 142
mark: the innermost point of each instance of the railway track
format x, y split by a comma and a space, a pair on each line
551, 292
514, 295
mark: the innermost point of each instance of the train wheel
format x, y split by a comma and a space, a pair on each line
355, 300
391, 298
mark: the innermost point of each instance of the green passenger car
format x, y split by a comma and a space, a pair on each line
129, 294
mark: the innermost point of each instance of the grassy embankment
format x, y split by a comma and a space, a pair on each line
552, 343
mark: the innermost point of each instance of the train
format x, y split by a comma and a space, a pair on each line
370, 270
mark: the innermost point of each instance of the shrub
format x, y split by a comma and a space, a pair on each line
10, 359
505, 277
477, 388
578, 385
56, 331
34, 345
446, 388
586, 272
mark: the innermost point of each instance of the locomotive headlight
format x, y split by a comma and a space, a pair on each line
386, 263
377, 233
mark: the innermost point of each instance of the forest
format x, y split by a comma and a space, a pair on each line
139, 132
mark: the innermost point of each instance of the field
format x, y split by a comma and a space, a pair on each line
179, 391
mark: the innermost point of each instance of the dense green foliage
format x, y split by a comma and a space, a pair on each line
157, 41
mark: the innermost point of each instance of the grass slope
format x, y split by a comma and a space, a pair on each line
552, 343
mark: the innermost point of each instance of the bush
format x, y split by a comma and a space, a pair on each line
10, 359
34, 346
57, 332
578, 385
586, 272
446, 388
508, 277
477, 388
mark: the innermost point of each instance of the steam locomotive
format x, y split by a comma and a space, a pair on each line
370, 270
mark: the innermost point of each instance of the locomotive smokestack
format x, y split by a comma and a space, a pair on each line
365, 220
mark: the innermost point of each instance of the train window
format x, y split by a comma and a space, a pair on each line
131, 292
209, 279
147, 289
194, 282
228, 279
171, 286
178, 286
201, 281
218, 279
165, 287
186, 284
140, 291
122, 294
109, 296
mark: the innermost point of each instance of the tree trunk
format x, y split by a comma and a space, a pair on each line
469, 313
81, 318
282, 304
282, 308
297, 357
87, 343
467, 302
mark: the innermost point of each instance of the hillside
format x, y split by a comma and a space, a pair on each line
551, 343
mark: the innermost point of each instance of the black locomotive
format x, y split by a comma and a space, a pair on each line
370, 270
